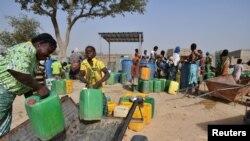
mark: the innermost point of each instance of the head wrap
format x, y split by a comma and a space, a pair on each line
177, 49
224, 52
207, 53
76, 49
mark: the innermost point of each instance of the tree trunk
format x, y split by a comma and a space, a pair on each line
63, 45
63, 50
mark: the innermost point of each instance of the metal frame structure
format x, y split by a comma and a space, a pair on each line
122, 37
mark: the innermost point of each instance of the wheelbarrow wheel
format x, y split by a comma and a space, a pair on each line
139, 138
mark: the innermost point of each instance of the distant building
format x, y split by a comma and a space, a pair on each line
243, 54
115, 60
234, 56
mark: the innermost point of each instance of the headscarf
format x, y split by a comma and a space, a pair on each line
207, 53
177, 49
76, 49
224, 53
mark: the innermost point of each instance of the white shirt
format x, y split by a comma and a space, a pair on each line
145, 57
152, 54
176, 58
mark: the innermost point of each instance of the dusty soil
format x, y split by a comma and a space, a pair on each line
176, 117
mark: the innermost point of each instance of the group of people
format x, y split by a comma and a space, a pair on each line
64, 69
223, 66
200, 66
166, 67
17, 71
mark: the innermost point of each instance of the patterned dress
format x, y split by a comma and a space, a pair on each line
20, 58
194, 68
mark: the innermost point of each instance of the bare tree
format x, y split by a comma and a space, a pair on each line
80, 9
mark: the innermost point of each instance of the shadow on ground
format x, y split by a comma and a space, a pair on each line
127, 87
237, 120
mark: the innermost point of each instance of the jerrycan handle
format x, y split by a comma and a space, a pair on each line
43, 97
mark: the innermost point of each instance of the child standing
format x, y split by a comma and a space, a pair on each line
153, 54
145, 56
56, 69
238, 68
91, 73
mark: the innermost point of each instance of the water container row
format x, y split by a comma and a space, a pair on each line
146, 99
150, 65
91, 105
158, 85
117, 77
127, 64
60, 86
142, 115
245, 73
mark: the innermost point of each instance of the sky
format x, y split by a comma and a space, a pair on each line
211, 24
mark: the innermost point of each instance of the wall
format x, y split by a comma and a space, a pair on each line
115, 60
244, 54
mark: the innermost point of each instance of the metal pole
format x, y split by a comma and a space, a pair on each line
123, 127
140, 44
109, 53
100, 39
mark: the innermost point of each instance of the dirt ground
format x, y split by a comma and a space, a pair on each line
176, 117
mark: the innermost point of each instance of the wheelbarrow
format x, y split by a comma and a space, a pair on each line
226, 88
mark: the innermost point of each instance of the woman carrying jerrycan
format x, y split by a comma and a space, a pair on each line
16, 74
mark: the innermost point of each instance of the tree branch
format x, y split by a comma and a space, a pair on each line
44, 11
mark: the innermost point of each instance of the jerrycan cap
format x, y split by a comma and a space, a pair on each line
31, 101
